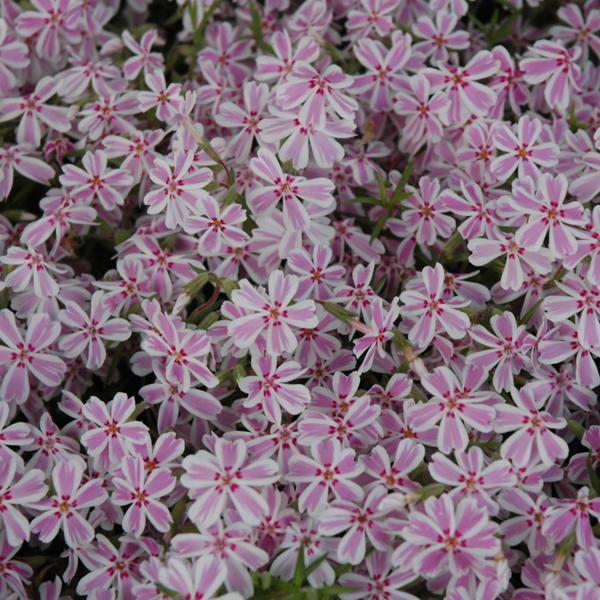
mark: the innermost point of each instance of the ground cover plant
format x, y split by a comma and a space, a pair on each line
299, 300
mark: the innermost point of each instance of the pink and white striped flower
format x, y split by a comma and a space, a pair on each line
32, 108
143, 57
331, 469
455, 404
532, 439
439, 37
91, 331
24, 490
28, 356
271, 316
14, 55
226, 477
21, 158
166, 99
270, 389
142, 489
112, 436
68, 507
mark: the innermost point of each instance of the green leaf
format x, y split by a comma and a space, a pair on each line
576, 428
167, 591
299, 569
314, 564
367, 200
399, 193
339, 312
378, 228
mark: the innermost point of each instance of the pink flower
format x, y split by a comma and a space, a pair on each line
447, 538
454, 405
17, 158
127, 287
573, 514
109, 114
68, 508
290, 189
52, 26
179, 188
91, 331
24, 491
371, 16
470, 477
166, 99
360, 522
305, 138
550, 62
104, 77
532, 438
13, 56
380, 581
393, 476
29, 355
580, 298
31, 271
224, 477
96, 181
523, 151
233, 546
439, 36
582, 31
424, 215
61, 213
206, 574
171, 397
247, 118
112, 436
548, 214
142, 489
430, 312
316, 92
270, 390
331, 469
359, 295
316, 278
285, 61
272, 317
380, 326
181, 351
423, 113
384, 66
143, 57
507, 83
507, 349
32, 109
527, 525
461, 85
518, 257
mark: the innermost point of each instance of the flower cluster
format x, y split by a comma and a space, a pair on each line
299, 299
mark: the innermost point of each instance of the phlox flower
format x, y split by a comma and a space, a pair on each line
269, 388
470, 477
166, 99
143, 57
316, 277
28, 355
227, 477
371, 16
380, 579
523, 151
455, 404
439, 37
286, 60
583, 31
289, 189
32, 108
180, 186
447, 537
22, 159
232, 546
507, 349
180, 350
112, 436
142, 489
68, 507
13, 56
14, 574
127, 287
96, 181
507, 83
24, 490
383, 69
331, 469
227, 50
430, 311
110, 114
91, 331
360, 522
532, 438
272, 316
550, 62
